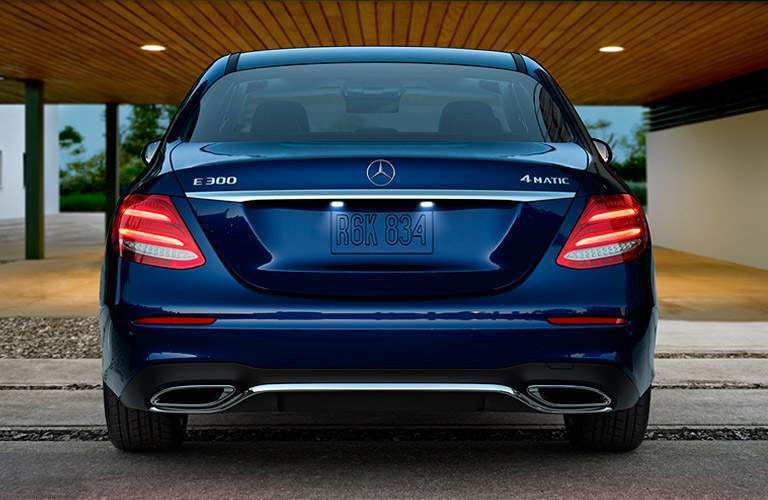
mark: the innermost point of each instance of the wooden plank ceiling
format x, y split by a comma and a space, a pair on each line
88, 50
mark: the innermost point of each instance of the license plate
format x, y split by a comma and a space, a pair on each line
382, 232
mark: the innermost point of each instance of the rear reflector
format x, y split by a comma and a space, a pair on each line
586, 320
175, 320
611, 230
149, 230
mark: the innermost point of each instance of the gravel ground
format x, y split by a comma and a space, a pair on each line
49, 337
62, 338
50, 387
391, 435
712, 355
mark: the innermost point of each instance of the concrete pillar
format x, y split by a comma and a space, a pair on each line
34, 168
112, 175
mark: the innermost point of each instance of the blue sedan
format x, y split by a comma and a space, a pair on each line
377, 228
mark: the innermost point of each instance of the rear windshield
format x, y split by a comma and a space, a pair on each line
377, 101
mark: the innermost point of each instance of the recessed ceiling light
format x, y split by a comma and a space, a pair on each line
153, 48
612, 48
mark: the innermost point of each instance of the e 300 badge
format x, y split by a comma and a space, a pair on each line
214, 181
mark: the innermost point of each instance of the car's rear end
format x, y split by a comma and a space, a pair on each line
379, 228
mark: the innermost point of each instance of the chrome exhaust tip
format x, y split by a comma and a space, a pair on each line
206, 399
191, 397
570, 397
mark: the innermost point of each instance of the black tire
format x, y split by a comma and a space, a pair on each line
621, 430
136, 430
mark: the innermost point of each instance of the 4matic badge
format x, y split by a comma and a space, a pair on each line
538, 179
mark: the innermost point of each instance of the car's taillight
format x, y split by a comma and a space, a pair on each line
149, 230
586, 320
611, 230
176, 320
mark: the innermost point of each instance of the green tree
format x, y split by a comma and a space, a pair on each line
71, 141
74, 175
599, 129
83, 176
633, 166
146, 124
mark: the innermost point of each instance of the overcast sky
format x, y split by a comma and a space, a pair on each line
89, 121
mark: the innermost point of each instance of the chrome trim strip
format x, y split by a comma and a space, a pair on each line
535, 392
380, 194
226, 392
503, 390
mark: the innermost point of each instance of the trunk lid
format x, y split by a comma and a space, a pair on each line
378, 220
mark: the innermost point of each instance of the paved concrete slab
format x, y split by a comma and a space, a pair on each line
66, 235
66, 283
463, 469
670, 407
668, 371
712, 337
50, 371
711, 371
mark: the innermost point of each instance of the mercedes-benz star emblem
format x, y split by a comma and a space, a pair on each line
380, 172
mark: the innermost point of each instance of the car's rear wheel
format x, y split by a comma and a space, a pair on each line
136, 430
621, 430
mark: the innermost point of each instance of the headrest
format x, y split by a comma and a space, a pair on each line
279, 118
469, 118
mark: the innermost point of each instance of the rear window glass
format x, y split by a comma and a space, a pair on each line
377, 101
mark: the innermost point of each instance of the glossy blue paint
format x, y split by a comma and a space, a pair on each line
462, 57
284, 301
285, 247
533, 154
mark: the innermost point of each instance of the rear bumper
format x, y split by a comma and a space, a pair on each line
139, 362
415, 390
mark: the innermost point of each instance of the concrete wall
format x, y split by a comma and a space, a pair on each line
12, 171
708, 188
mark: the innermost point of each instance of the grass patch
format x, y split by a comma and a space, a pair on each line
82, 202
